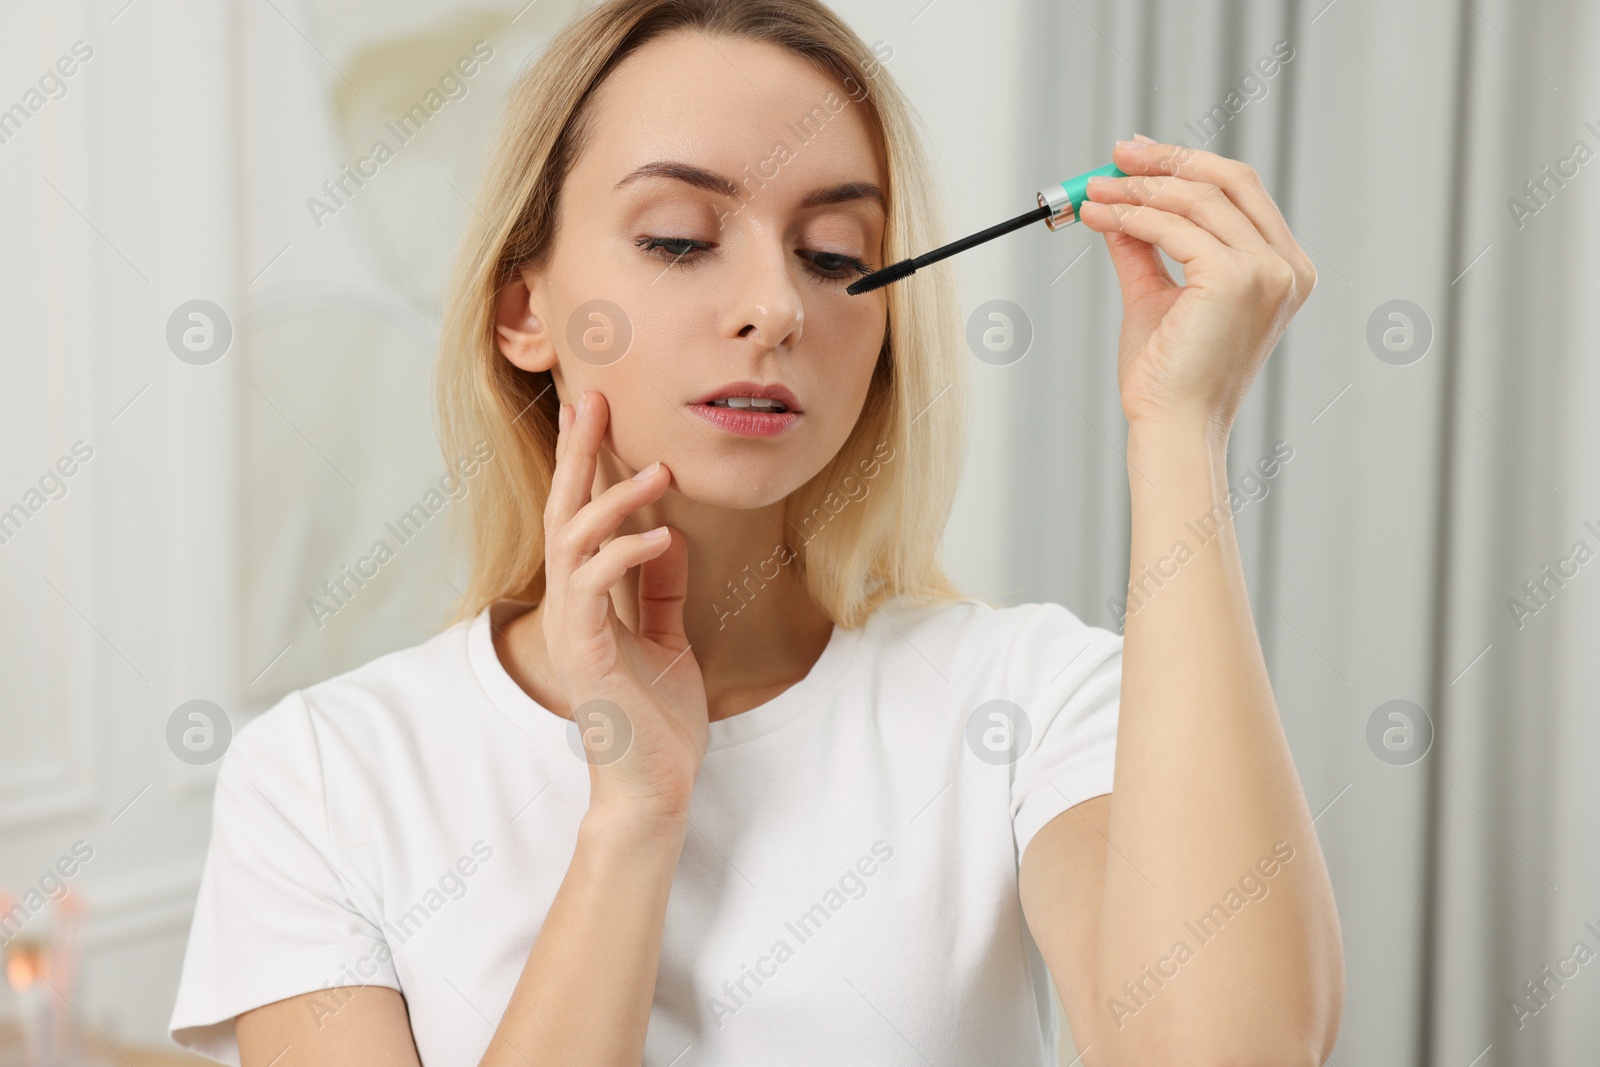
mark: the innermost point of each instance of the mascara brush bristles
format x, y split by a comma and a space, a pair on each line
879, 278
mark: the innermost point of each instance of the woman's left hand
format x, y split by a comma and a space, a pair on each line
1189, 353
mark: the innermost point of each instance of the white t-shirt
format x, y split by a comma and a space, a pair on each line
847, 891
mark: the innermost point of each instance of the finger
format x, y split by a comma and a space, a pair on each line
555, 581
1202, 203
573, 483
663, 591
1140, 268
589, 586
1173, 234
563, 420
597, 520
554, 578
1237, 179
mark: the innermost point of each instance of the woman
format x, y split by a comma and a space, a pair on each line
717, 766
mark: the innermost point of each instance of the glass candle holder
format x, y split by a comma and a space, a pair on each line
42, 957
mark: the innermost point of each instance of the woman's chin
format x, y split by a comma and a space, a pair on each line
725, 485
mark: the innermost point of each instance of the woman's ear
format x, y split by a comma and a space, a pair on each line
523, 336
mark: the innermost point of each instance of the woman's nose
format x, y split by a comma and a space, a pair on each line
769, 308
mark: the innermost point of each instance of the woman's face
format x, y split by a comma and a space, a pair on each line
725, 200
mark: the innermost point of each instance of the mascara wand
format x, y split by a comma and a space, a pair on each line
1058, 207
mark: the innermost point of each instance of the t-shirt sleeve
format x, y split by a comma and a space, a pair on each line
1069, 679
276, 913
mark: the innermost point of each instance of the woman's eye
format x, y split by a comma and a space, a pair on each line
673, 249
685, 251
835, 267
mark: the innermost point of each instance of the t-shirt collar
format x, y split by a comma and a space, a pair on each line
513, 702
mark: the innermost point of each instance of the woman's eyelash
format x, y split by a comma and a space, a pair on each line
685, 252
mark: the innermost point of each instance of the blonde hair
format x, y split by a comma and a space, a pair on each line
913, 423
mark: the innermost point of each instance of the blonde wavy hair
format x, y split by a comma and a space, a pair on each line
914, 419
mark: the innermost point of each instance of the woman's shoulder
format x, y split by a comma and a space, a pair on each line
972, 621
363, 708
974, 636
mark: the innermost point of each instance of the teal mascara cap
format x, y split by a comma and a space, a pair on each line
1065, 199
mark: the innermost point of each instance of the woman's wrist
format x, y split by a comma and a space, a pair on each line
1172, 454
608, 825
1165, 431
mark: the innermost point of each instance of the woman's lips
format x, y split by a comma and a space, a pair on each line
746, 422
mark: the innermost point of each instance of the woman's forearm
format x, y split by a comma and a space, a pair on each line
1207, 802
585, 993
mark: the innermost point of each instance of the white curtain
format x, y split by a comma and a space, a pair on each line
1429, 479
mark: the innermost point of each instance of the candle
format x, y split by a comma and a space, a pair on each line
24, 964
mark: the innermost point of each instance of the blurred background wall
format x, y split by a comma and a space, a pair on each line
216, 397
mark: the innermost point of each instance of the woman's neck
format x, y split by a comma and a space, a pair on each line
751, 625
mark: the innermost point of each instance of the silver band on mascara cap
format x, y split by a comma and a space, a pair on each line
1060, 204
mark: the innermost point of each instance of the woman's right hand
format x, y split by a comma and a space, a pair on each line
638, 698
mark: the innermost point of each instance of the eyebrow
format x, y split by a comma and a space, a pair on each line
716, 183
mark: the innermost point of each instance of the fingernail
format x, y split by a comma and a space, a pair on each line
1142, 139
647, 472
654, 535
583, 403
1098, 178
